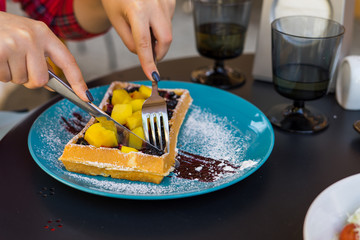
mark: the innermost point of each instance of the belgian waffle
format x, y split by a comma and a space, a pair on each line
135, 166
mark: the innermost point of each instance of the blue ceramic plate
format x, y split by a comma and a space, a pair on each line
218, 125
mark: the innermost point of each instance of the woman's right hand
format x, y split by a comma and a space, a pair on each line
24, 46
133, 19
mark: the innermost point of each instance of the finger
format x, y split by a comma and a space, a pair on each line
37, 70
17, 66
5, 75
62, 57
169, 8
124, 31
162, 30
162, 26
142, 39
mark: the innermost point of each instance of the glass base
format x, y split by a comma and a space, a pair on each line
228, 79
297, 119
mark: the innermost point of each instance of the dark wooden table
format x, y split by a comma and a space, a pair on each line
269, 204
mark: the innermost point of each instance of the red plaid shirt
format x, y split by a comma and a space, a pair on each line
57, 14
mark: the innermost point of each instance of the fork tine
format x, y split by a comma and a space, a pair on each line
158, 123
156, 128
162, 126
145, 120
152, 129
166, 129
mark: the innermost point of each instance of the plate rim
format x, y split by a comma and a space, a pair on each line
165, 196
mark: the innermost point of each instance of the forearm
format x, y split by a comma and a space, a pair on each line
91, 16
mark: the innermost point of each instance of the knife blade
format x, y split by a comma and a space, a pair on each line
124, 134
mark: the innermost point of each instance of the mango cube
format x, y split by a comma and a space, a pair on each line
99, 136
120, 96
135, 142
137, 104
107, 124
121, 112
134, 121
126, 149
137, 95
146, 91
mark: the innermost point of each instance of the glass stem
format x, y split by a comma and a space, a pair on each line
219, 67
298, 106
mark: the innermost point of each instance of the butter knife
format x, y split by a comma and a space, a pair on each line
124, 134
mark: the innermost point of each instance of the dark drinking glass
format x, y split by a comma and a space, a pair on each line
304, 56
220, 30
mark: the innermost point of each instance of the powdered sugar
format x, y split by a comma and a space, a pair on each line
52, 136
212, 136
169, 186
248, 164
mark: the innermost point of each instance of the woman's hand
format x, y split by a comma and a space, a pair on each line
132, 19
24, 46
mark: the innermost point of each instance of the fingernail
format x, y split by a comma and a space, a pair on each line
89, 96
155, 76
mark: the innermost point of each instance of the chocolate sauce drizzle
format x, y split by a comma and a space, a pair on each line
204, 169
75, 124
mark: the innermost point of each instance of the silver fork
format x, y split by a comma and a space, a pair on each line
154, 111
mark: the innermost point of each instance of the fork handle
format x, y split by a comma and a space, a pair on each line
155, 76
154, 83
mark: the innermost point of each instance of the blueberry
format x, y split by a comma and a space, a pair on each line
170, 114
109, 108
152, 151
172, 95
82, 141
132, 89
162, 93
172, 103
